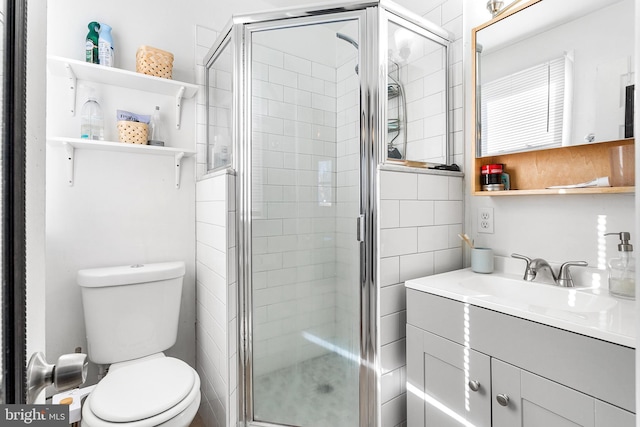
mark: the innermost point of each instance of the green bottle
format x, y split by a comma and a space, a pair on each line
92, 43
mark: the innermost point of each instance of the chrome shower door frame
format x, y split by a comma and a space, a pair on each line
392, 13
368, 382
373, 18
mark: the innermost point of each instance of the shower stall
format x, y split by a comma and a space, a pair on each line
306, 105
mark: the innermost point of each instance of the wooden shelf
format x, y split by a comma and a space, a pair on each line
532, 172
558, 191
71, 144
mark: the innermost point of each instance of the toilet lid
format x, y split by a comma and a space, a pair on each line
142, 390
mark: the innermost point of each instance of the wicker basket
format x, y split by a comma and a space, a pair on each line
154, 62
132, 132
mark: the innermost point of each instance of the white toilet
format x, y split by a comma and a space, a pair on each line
131, 317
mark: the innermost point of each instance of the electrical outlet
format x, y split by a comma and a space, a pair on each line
485, 220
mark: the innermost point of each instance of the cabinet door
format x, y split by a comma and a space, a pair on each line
609, 415
439, 372
522, 399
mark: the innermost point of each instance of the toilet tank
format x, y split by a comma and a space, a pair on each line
131, 311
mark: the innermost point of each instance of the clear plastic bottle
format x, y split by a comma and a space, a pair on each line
92, 120
622, 271
156, 130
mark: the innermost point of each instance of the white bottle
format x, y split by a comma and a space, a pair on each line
622, 271
106, 52
156, 131
92, 120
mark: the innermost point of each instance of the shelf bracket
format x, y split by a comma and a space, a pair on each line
179, 96
73, 85
178, 161
69, 151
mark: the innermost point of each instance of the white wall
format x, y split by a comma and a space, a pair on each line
123, 208
557, 228
35, 164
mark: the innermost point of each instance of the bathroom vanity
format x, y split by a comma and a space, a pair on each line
494, 350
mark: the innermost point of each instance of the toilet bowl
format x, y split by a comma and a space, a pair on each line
131, 317
153, 391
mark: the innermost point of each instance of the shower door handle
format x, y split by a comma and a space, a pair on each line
360, 228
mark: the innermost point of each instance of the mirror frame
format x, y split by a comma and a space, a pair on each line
475, 108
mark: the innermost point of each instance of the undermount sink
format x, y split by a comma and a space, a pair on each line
536, 296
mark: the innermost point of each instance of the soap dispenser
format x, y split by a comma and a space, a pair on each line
622, 270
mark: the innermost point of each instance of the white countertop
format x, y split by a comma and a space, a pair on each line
587, 309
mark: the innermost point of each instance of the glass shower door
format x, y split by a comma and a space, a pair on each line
305, 201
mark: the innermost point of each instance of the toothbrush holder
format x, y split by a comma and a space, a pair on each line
482, 260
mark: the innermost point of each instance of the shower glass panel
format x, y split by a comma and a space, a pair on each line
416, 96
219, 120
305, 199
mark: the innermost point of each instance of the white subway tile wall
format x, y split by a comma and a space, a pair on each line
305, 200
212, 299
216, 286
411, 249
420, 218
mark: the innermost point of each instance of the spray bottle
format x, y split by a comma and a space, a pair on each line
91, 46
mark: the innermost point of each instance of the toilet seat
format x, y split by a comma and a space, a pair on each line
150, 392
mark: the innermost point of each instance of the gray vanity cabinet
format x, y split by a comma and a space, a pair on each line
456, 375
438, 377
533, 401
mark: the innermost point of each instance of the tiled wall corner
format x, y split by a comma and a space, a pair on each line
232, 304
420, 218
216, 278
212, 299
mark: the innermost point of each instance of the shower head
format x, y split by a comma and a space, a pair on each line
347, 39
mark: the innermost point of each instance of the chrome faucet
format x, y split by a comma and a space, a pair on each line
539, 265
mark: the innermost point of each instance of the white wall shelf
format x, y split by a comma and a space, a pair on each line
71, 144
73, 70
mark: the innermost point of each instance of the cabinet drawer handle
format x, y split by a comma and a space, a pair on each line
474, 385
502, 399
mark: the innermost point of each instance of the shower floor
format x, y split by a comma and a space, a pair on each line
319, 392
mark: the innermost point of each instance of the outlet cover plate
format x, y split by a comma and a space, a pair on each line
485, 220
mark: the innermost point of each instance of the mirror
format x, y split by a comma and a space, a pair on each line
554, 73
